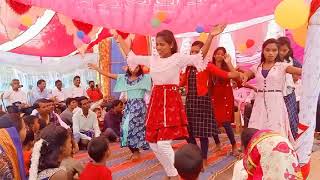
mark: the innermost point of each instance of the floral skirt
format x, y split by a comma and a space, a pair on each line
133, 130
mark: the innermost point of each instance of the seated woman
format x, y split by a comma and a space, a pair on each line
268, 155
53, 146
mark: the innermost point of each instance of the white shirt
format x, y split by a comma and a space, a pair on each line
251, 96
167, 70
298, 90
289, 84
77, 92
60, 95
14, 96
80, 122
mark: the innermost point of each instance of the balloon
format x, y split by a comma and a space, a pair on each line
292, 14
242, 48
22, 27
203, 37
26, 21
250, 43
199, 29
86, 39
300, 35
161, 15
80, 34
155, 22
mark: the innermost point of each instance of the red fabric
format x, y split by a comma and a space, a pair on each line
223, 102
203, 78
27, 160
166, 119
255, 156
140, 45
315, 5
85, 27
95, 94
305, 170
18, 7
105, 33
96, 172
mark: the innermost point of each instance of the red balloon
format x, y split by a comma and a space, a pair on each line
17, 7
123, 34
85, 27
250, 43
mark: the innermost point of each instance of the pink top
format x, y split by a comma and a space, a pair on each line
167, 70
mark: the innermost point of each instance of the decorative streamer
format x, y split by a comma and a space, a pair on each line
104, 63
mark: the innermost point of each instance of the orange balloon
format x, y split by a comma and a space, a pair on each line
242, 48
161, 15
300, 35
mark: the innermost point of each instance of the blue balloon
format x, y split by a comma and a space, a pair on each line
80, 34
199, 29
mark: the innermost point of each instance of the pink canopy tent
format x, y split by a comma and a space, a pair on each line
179, 15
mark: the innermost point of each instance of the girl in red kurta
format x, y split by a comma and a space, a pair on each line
223, 100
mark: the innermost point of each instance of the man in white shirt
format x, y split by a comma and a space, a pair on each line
76, 90
15, 94
85, 123
58, 92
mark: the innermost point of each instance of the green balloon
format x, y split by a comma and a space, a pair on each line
155, 22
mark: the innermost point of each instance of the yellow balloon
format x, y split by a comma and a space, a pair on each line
292, 14
242, 48
300, 35
203, 37
26, 21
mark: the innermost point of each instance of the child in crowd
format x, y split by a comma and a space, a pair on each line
98, 150
188, 162
32, 128
98, 112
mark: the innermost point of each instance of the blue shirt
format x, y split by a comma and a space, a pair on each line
37, 94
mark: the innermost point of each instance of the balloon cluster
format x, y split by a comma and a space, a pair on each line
26, 22
249, 44
83, 37
293, 15
159, 18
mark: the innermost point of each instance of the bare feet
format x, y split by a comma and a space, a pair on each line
205, 165
135, 156
235, 151
217, 148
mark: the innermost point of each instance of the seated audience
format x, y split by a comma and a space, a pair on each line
112, 121
15, 94
188, 162
99, 152
85, 123
98, 112
76, 90
93, 92
268, 155
67, 114
58, 93
54, 144
12, 132
40, 92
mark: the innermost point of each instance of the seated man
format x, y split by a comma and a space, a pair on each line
268, 155
67, 114
112, 121
85, 123
15, 94
188, 162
